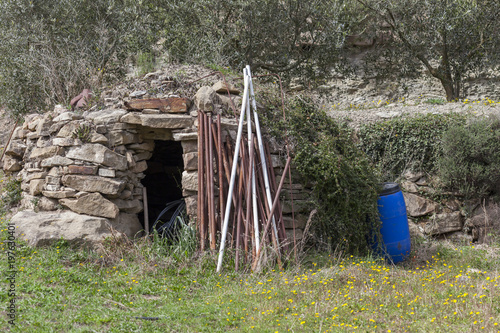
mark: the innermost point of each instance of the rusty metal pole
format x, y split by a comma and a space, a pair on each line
201, 186
211, 209
220, 168
273, 208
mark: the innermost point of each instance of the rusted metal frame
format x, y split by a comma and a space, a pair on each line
225, 83
279, 212
262, 212
220, 168
8, 141
220, 178
201, 187
268, 222
268, 215
215, 146
229, 159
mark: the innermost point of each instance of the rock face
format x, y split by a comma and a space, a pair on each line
446, 218
417, 206
205, 99
127, 224
443, 223
44, 228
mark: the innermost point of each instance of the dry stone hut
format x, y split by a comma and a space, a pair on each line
83, 173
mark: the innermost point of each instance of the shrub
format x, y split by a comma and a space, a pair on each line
11, 193
345, 183
470, 162
406, 143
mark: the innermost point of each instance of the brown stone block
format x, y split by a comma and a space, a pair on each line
170, 105
82, 170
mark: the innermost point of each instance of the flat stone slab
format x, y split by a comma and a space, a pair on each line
185, 136
98, 154
41, 153
93, 184
56, 161
106, 116
169, 121
59, 194
443, 223
92, 204
170, 105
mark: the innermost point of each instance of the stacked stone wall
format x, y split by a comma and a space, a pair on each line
81, 172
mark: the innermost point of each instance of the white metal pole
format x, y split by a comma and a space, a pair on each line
254, 188
233, 173
262, 154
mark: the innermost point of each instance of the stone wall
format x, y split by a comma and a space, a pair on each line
81, 172
444, 215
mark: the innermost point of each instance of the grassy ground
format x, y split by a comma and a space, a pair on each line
143, 288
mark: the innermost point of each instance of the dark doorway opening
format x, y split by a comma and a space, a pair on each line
163, 177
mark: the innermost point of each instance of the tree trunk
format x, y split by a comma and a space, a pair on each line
452, 89
449, 89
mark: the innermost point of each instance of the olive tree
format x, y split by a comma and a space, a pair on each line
450, 39
300, 37
50, 50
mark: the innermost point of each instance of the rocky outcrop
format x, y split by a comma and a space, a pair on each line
445, 218
44, 228
417, 206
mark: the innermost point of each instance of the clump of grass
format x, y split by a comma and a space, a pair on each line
83, 132
435, 101
11, 192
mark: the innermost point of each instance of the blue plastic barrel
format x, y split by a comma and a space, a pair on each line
395, 231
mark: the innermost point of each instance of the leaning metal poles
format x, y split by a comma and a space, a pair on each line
233, 174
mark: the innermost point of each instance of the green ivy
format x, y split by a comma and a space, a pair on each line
345, 183
404, 144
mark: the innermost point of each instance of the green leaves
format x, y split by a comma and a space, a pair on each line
470, 162
344, 182
300, 38
406, 143
51, 50
450, 39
